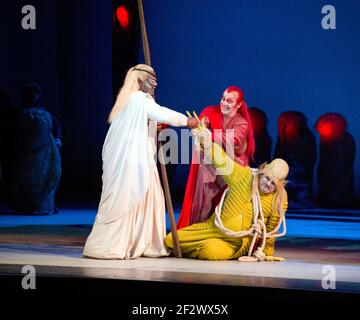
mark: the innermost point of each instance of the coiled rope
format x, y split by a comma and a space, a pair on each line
258, 228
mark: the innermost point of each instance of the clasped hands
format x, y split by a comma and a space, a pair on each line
202, 135
194, 122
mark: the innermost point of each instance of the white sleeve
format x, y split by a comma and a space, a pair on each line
165, 115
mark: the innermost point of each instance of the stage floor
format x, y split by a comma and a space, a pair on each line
302, 273
53, 244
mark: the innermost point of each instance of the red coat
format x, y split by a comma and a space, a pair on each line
210, 199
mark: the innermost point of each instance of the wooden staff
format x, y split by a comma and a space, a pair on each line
170, 210
144, 37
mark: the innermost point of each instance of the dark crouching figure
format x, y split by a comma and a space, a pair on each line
36, 157
6, 119
263, 141
337, 156
297, 146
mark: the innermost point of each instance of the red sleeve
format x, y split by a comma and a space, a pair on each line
241, 133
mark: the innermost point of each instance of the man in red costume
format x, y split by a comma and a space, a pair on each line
204, 188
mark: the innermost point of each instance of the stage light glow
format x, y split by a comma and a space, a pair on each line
289, 126
331, 127
325, 129
122, 16
258, 121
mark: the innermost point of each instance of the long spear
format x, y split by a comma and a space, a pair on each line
170, 210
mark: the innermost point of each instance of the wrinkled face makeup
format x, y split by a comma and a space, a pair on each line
228, 103
266, 185
149, 85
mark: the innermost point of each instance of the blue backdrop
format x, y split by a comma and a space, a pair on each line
276, 51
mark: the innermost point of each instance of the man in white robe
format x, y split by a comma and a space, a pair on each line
131, 217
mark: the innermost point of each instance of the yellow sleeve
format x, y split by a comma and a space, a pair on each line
273, 221
224, 165
271, 224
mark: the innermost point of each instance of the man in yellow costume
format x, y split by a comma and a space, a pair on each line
247, 221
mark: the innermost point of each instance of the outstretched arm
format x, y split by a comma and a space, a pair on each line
164, 115
223, 163
271, 224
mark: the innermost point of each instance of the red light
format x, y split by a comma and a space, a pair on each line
123, 16
289, 126
325, 130
258, 120
331, 127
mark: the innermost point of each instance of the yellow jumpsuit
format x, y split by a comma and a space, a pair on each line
204, 240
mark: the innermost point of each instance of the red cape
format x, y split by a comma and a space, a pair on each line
213, 113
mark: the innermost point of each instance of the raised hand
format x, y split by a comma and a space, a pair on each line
192, 123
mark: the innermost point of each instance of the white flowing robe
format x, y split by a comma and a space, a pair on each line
131, 217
